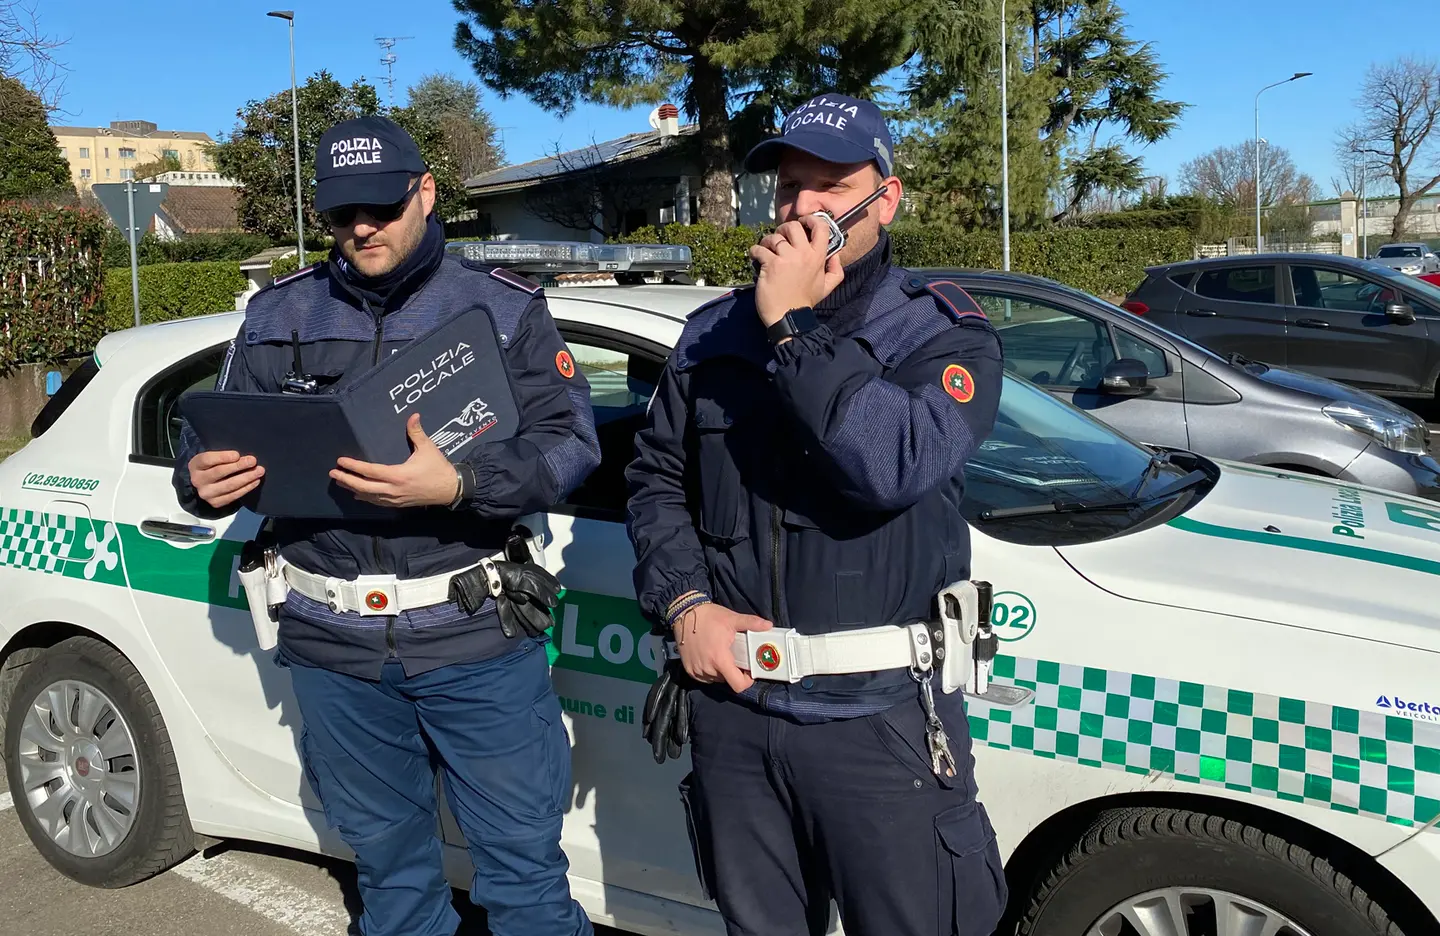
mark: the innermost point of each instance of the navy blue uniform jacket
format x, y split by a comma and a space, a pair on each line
816, 484
343, 335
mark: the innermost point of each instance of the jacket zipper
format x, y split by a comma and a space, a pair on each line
375, 541
775, 579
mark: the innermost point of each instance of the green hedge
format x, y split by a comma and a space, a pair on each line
1103, 262
720, 257
50, 283
194, 248
172, 290
284, 266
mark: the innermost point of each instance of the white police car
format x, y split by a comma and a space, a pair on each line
1234, 723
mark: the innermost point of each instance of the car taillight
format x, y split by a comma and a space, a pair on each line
1135, 306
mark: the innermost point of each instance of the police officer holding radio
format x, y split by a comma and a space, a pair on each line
795, 515
436, 655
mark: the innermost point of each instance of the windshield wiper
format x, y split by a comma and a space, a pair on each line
1129, 503
1241, 361
1157, 461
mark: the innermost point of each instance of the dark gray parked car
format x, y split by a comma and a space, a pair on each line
1161, 389
1351, 320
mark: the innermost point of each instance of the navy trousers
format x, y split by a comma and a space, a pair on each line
786, 816
371, 749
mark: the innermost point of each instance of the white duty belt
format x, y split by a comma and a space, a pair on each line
373, 595
926, 648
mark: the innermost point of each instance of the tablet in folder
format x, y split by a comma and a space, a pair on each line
453, 376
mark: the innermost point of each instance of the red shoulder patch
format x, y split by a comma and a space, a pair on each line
958, 382
565, 364
955, 300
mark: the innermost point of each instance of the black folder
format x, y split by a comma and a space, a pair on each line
453, 376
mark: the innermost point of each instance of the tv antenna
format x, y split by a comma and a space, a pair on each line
388, 60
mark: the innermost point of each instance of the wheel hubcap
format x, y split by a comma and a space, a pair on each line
1193, 911
78, 769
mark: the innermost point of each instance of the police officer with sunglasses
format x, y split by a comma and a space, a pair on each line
441, 678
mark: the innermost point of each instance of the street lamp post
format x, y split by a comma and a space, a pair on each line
295, 129
1004, 148
1257, 148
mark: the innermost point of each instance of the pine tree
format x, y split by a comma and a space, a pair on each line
753, 58
30, 162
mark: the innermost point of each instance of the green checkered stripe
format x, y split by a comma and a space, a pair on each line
35, 541
1365, 763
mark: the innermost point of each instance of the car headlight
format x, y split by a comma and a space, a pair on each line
1394, 432
1410, 268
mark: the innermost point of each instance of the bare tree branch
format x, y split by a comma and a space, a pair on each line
591, 195
1400, 102
28, 55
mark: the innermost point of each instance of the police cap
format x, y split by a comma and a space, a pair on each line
365, 161
834, 127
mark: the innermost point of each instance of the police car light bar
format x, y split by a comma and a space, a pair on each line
575, 256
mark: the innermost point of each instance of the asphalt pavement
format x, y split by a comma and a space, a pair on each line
228, 889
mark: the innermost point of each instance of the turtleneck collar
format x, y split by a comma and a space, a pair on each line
391, 289
849, 301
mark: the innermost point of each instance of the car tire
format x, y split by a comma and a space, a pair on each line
71, 776
1153, 860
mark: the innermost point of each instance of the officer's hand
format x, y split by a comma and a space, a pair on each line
424, 479
793, 269
221, 478
704, 637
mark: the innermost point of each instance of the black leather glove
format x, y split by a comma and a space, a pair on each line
666, 719
526, 596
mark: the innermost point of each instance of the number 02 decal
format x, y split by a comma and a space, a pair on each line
1012, 615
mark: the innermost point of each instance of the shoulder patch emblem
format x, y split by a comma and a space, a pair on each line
565, 364
281, 281
516, 280
955, 300
958, 383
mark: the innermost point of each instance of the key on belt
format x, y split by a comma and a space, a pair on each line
942, 761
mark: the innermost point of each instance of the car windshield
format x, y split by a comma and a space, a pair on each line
1043, 451
1427, 291
1396, 250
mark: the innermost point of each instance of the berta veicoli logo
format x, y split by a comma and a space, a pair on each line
1420, 711
356, 151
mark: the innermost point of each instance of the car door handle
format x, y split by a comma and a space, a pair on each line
177, 532
1312, 323
1202, 313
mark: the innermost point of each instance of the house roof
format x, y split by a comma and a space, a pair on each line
631, 147
109, 131
201, 209
265, 257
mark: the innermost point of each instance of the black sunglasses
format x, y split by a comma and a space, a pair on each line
344, 216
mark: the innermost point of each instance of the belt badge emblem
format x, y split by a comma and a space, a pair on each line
768, 656
376, 601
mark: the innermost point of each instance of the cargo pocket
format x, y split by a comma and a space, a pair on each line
700, 843
309, 761
723, 509
971, 882
553, 756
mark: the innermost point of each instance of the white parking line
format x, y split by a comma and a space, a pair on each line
268, 896
6, 802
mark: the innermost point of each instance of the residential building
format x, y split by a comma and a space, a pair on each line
110, 154
605, 189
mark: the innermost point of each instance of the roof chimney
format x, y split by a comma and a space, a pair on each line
669, 116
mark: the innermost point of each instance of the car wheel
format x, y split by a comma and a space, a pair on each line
1150, 871
91, 768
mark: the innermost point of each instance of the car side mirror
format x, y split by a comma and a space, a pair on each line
1126, 377
1400, 313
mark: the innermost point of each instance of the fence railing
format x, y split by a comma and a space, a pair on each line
1237, 247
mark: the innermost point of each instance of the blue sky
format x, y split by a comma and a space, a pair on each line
189, 66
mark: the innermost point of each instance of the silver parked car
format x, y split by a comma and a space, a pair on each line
1166, 391
1408, 258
